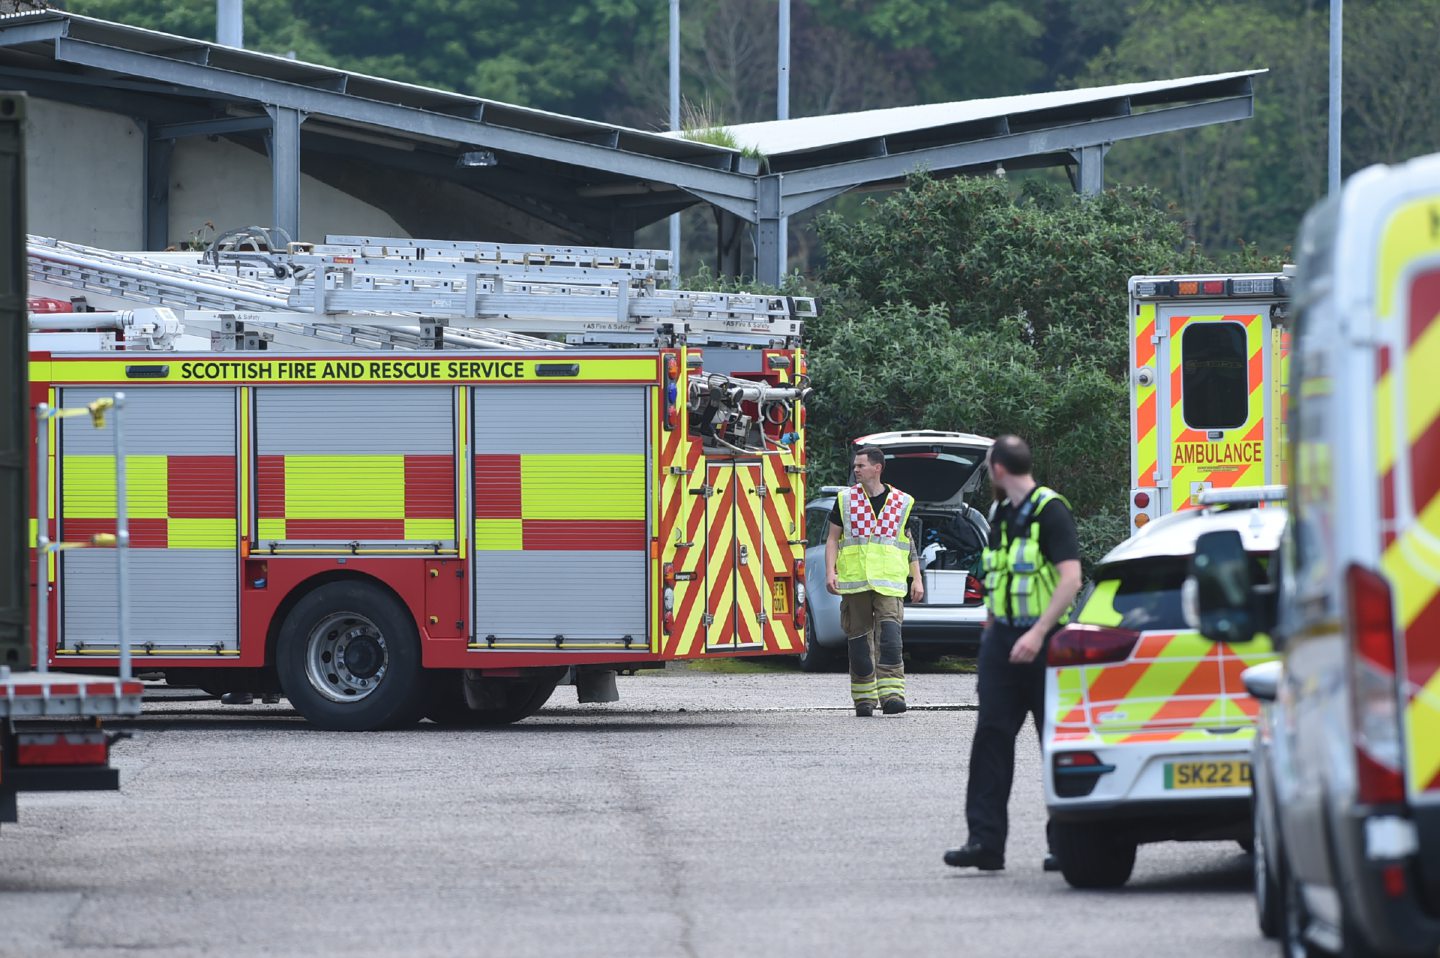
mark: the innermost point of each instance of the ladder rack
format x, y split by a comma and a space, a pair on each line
413, 294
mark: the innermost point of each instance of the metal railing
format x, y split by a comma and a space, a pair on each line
111, 407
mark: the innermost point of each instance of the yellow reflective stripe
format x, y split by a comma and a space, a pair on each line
429, 528
1100, 607
88, 487
610, 486
201, 533
271, 529
499, 535
344, 487
1413, 588
1423, 725
1409, 235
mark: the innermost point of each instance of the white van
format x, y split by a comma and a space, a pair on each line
1350, 756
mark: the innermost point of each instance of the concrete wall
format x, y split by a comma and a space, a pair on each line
85, 174
228, 185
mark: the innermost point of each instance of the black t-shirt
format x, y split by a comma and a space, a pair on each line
1059, 541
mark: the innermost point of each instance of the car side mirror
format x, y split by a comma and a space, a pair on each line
1222, 597
1263, 681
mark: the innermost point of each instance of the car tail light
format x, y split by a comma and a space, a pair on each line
1091, 645
1375, 697
799, 611
1080, 760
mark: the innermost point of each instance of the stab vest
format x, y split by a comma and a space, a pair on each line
1019, 581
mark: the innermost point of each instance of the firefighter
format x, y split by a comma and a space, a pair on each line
1032, 573
867, 558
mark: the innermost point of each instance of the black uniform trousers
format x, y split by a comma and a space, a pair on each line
1008, 692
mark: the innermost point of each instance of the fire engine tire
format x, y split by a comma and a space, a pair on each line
1092, 855
522, 698
349, 659
815, 657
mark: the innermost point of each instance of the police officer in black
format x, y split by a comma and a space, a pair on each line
1032, 573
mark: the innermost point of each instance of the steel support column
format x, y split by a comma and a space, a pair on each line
284, 146
158, 154
769, 239
1090, 168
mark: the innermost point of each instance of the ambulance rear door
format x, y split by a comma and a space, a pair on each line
1214, 422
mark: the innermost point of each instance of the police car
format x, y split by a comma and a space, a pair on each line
1148, 726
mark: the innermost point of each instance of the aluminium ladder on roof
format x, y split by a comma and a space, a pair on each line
593, 294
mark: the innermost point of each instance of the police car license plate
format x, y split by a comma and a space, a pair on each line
1225, 774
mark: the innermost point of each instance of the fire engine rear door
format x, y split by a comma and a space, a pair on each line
736, 577
1212, 400
181, 473
561, 516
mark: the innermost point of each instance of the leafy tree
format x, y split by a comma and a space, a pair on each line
957, 304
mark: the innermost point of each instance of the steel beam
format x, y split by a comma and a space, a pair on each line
217, 127
1059, 140
308, 100
42, 32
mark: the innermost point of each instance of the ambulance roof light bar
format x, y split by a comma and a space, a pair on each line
1214, 287
1245, 495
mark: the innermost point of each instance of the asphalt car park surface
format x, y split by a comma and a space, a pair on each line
704, 814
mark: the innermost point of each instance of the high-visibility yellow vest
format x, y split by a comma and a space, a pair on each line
1019, 581
874, 550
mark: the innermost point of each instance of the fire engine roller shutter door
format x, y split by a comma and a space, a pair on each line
561, 513
369, 464
181, 476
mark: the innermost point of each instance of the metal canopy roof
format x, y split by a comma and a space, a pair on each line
567, 179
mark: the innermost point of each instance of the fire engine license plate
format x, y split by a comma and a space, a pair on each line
779, 598
1228, 774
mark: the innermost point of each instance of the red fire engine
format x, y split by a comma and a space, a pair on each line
413, 478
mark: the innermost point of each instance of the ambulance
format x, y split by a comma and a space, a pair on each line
390, 478
1351, 760
1208, 374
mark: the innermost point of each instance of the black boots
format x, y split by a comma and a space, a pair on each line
974, 856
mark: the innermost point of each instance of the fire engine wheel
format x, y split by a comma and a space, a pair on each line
349, 659
1092, 855
512, 699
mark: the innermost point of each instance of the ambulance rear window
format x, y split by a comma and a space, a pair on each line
1138, 595
1216, 383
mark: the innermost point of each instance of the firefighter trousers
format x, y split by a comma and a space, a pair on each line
1008, 692
871, 623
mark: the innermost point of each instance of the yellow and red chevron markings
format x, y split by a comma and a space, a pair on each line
1407, 409
1247, 474
1147, 441
172, 502
1174, 686
702, 538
